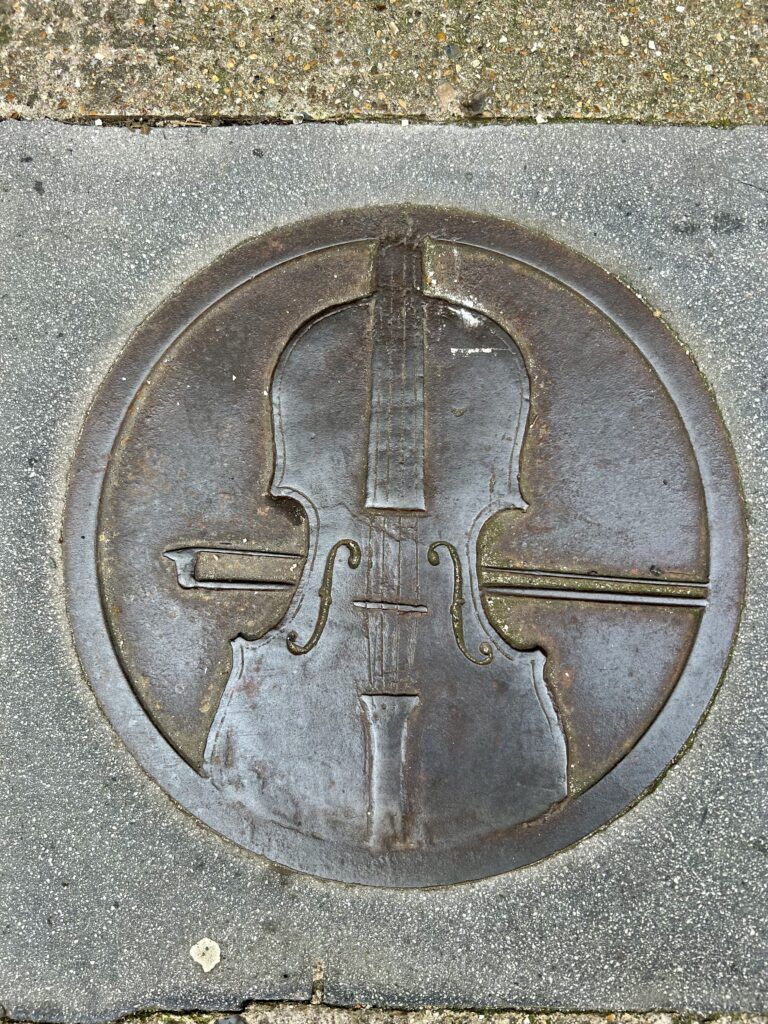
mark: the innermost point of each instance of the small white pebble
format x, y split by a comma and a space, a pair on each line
624, 40
207, 953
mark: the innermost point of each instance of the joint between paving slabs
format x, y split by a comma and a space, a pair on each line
314, 1011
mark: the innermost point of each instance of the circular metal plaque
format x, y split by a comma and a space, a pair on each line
404, 546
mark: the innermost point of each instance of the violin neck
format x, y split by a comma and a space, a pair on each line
395, 475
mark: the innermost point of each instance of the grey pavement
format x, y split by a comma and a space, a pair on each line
106, 883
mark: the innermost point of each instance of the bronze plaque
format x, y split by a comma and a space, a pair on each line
404, 546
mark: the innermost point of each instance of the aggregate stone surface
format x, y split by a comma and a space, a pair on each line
106, 884
661, 61
316, 1012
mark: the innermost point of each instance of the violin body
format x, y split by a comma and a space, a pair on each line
384, 712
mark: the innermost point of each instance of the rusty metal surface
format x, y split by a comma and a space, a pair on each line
404, 547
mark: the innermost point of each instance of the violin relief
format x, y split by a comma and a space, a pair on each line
383, 704
402, 565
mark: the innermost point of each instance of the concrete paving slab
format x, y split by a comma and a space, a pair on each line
108, 885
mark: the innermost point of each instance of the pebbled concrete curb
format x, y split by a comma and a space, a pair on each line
699, 62
315, 1013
